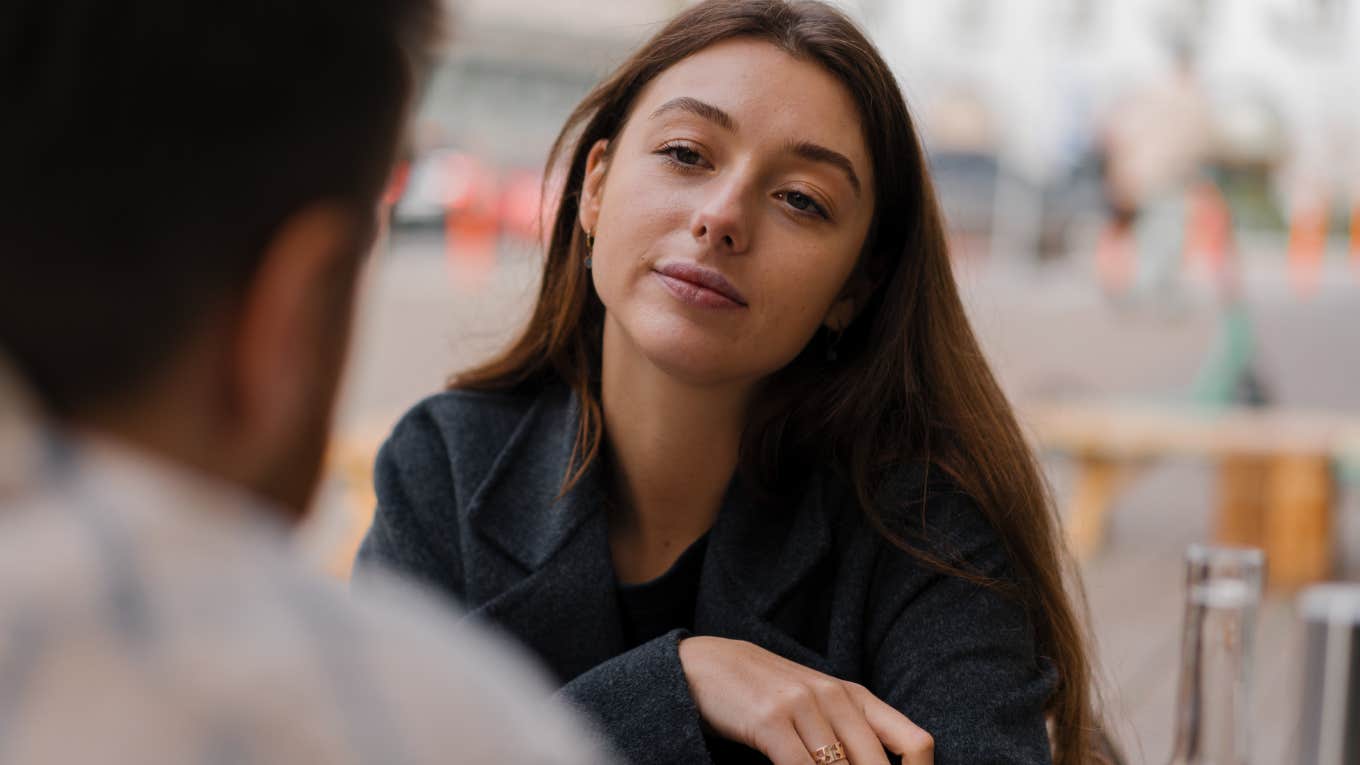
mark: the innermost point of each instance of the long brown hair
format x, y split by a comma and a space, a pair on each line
911, 383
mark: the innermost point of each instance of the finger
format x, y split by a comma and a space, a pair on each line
781, 743
814, 729
862, 745
895, 730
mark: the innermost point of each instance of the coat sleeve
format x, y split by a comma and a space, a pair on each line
957, 657
415, 531
641, 697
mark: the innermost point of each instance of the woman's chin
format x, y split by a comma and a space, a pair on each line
698, 363
700, 368
696, 354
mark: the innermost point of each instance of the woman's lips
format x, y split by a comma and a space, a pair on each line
699, 286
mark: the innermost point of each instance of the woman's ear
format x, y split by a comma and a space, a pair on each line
841, 314
592, 188
848, 305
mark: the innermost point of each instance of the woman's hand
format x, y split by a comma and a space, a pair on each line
788, 711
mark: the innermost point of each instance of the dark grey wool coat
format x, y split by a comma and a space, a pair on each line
468, 488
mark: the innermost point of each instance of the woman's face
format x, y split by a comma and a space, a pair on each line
729, 214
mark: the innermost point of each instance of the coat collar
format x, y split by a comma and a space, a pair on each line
764, 550
519, 506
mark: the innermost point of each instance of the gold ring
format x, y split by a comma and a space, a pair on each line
829, 754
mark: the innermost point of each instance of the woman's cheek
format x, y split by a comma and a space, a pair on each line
787, 325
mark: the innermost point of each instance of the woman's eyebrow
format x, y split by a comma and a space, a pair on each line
699, 108
814, 152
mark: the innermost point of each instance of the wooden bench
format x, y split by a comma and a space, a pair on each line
1276, 471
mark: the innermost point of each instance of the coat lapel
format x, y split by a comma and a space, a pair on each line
563, 604
567, 611
519, 507
758, 558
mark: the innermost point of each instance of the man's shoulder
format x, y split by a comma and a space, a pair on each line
451, 684
250, 637
48, 557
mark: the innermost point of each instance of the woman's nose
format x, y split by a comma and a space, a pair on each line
720, 221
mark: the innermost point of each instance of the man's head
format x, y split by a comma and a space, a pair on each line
187, 191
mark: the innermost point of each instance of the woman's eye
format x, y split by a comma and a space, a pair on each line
802, 203
683, 154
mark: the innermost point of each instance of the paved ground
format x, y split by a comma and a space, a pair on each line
1049, 332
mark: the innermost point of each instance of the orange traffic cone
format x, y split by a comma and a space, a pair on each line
471, 227
1307, 247
521, 206
1208, 234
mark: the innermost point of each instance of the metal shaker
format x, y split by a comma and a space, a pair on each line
1329, 731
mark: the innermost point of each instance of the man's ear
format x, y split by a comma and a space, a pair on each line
283, 318
592, 188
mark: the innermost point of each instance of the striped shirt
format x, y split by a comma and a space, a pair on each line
149, 616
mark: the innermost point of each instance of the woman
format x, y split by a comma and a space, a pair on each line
745, 481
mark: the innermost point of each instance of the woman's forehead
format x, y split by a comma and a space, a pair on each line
765, 92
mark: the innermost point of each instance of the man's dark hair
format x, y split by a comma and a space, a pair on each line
149, 149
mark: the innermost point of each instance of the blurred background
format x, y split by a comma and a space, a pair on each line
1155, 207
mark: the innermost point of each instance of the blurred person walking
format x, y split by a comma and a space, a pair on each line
1155, 143
190, 194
